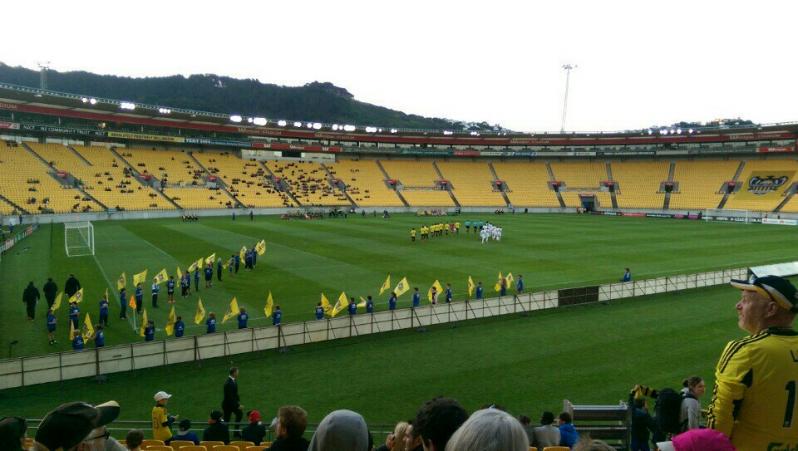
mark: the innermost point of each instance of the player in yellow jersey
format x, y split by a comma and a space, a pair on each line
161, 422
413, 234
755, 400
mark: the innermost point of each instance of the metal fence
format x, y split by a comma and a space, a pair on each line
24, 371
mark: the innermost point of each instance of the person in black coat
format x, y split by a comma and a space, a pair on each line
30, 297
217, 430
50, 290
231, 403
71, 286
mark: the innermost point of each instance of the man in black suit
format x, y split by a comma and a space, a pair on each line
231, 402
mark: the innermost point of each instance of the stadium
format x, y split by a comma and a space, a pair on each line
328, 215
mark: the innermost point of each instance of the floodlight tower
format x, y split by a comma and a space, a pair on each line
568, 68
43, 67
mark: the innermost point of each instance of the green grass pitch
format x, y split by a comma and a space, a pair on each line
589, 354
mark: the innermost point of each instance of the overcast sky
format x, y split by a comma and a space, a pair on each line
640, 62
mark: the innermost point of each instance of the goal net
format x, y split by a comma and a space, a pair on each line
78, 239
728, 215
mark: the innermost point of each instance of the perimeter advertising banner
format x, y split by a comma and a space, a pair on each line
765, 184
146, 137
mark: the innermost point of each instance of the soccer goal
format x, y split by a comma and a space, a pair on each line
78, 239
729, 215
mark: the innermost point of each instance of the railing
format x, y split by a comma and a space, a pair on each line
24, 371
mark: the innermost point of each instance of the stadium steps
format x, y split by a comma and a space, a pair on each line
136, 172
612, 193
666, 203
496, 177
740, 168
553, 179
9, 202
80, 157
387, 177
33, 152
287, 190
343, 191
448, 186
219, 181
784, 202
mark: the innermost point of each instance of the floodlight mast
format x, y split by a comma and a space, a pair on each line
43, 67
568, 68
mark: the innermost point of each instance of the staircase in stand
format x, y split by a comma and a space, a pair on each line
219, 182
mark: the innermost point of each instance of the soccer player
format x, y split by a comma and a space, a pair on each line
448, 293
77, 340
413, 234
319, 311
277, 316
123, 303
756, 379
74, 312
30, 297
170, 289
104, 310
468, 227
50, 289
519, 285
369, 304
149, 331
208, 276
155, 289
51, 321
480, 291
457, 227
99, 336
392, 301
180, 327
352, 307
210, 323
161, 421
196, 279
416, 298
139, 295
243, 317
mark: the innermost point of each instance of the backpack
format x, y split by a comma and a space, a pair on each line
668, 409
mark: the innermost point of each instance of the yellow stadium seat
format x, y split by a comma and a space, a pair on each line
256, 448
157, 448
246, 180
365, 183
556, 448
222, 448
418, 179
194, 448
179, 444
527, 183
149, 442
242, 445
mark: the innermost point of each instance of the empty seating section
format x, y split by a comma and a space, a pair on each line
472, 183
176, 167
638, 183
309, 183
111, 182
573, 199
28, 182
419, 182
764, 167
365, 183
580, 174
246, 180
527, 183
700, 183
791, 206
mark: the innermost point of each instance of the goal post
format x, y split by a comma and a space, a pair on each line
727, 214
78, 238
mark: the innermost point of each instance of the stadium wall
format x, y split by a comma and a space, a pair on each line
34, 370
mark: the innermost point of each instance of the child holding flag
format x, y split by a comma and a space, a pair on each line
104, 310
51, 321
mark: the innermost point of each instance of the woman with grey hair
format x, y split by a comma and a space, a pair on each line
341, 430
489, 430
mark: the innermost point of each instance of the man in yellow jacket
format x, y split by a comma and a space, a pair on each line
161, 421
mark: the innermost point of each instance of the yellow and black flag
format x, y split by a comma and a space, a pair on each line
386, 285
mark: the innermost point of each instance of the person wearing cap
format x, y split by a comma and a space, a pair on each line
161, 420
217, 429
12, 433
290, 428
255, 430
76, 426
185, 433
756, 379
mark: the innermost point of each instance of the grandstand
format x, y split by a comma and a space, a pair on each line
365, 183
472, 183
419, 182
766, 202
700, 183
639, 183
246, 180
309, 182
527, 184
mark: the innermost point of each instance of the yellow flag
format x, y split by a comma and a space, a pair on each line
225, 264
498, 286
210, 259
57, 302
471, 286
106, 293
269, 305
325, 304
234, 310
386, 285
88, 328
179, 273
144, 322
192, 267
161, 277
121, 281
77, 297
71, 330
200, 314
341, 305
260, 248
438, 289
509, 279
242, 253
170, 322
401, 287
362, 303
140, 277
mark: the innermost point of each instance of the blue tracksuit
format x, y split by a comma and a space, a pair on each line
73, 315
211, 324
448, 295
319, 312
242, 320
392, 303
180, 328
139, 299
277, 317
149, 333
416, 299
77, 343
352, 309
51, 320
369, 306
104, 312
99, 339
123, 303
480, 291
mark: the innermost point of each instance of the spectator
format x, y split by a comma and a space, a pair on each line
291, 424
699, 440
642, 423
161, 420
231, 402
588, 444
255, 430
755, 371
526, 422
134, 439
341, 430
412, 442
184, 432
30, 297
489, 430
77, 423
436, 421
217, 429
690, 417
396, 441
12, 433
546, 434
568, 434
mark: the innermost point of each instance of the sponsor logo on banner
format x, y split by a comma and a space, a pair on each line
771, 149
9, 125
766, 184
146, 137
